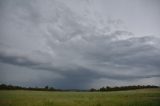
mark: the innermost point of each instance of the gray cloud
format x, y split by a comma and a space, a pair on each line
49, 36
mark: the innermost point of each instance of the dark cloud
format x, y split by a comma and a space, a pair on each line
50, 37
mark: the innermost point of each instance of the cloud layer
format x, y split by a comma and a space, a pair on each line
49, 36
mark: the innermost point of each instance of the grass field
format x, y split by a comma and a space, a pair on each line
143, 97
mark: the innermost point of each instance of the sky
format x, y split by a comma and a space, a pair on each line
79, 44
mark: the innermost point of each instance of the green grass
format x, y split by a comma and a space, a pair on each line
144, 97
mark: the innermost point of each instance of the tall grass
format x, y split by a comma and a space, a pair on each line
146, 97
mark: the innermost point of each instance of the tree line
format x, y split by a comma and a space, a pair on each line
133, 87
102, 89
13, 87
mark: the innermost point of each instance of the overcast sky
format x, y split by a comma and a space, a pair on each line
79, 43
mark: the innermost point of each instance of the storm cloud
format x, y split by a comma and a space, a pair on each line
77, 48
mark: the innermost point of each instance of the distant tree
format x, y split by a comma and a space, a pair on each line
92, 90
46, 87
102, 89
107, 88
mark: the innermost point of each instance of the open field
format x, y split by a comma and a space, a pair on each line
143, 97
